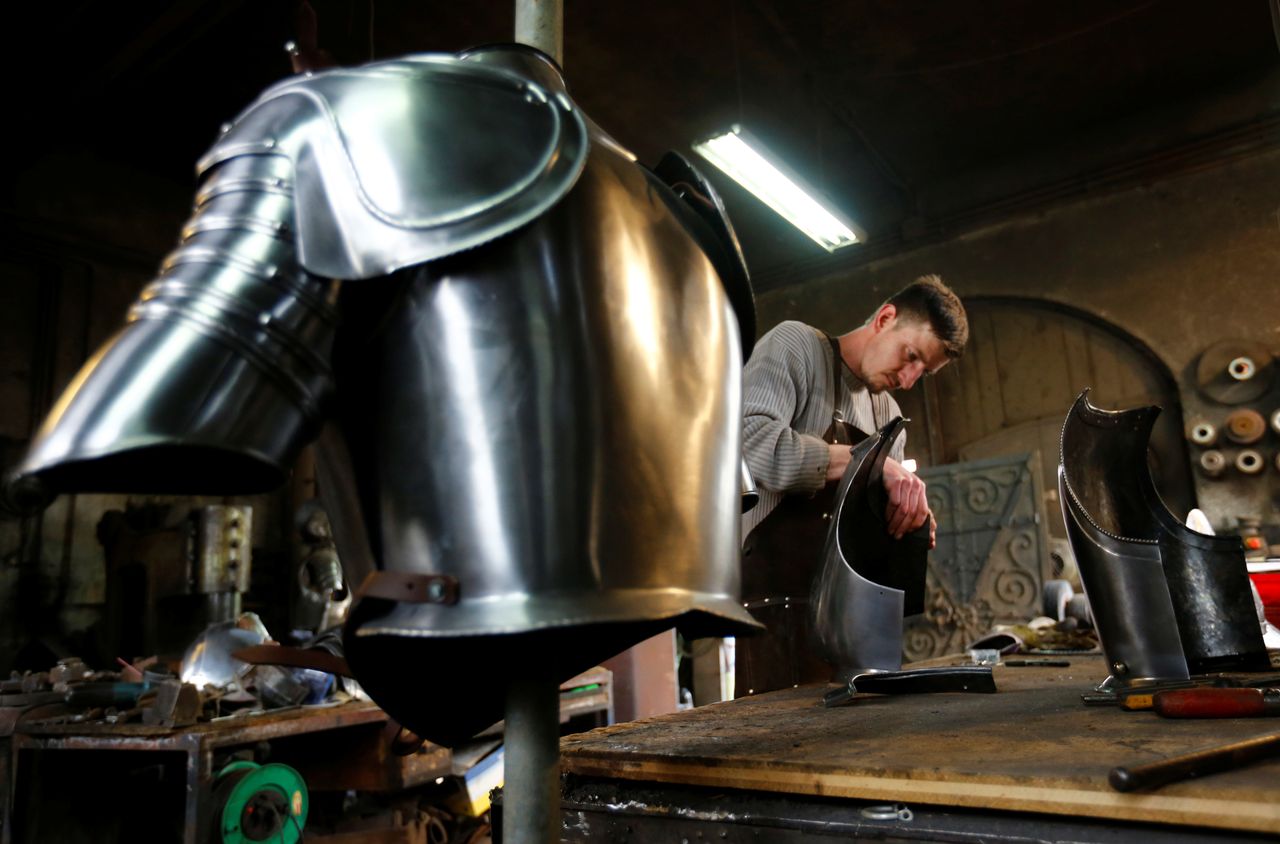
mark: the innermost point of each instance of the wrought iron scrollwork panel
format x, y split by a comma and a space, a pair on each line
991, 558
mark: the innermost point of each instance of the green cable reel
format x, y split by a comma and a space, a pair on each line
260, 803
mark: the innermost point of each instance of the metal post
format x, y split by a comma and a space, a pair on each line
540, 23
531, 775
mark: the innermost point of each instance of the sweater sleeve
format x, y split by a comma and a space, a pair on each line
776, 385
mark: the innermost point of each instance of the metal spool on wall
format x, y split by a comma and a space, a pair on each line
1245, 426
1213, 463
1203, 434
1234, 372
1250, 462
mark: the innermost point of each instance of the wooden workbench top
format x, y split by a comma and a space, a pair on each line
1032, 747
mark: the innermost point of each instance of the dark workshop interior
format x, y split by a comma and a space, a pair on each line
457, 327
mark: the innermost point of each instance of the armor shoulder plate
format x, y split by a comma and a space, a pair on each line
407, 161
709, 224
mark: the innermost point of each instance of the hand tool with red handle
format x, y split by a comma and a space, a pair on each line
1216, 703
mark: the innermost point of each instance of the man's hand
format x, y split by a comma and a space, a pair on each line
839, 454
908, 507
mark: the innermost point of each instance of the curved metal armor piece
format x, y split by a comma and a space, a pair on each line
1133, 612
869, 580
710, 225
222, 372
562, 444
411, 160
1168, 601
704, 216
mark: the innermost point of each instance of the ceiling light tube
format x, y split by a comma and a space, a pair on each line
745, 160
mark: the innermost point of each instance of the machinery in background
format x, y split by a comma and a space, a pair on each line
167, 580
323, 595
1234, 435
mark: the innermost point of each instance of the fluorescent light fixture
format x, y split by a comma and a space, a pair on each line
745, 160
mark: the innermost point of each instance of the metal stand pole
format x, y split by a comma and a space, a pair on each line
531, 788
540, 23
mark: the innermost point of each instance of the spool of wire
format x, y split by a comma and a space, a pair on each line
1245, 426
255, 802
1242, 368
1213, 463
1250, 462
1203, 434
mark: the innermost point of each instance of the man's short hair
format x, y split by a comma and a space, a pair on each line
928, 300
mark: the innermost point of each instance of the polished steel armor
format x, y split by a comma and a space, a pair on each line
411, 160
222, 369
1167, 601
349, 174
869, 580
536, 440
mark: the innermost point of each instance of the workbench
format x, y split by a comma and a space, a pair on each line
1027, 763
59, 777
62, 771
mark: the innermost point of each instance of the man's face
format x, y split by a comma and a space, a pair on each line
899, 353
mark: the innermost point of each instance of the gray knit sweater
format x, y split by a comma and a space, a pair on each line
787, 407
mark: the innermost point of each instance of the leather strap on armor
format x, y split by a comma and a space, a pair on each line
410, 588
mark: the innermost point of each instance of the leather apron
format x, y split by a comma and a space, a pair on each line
780, 558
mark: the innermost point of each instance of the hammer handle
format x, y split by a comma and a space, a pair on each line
1212, 703
1197, 763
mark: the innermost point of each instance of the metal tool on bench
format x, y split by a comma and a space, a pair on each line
1137, 696
1209, 760
963, 678
1217, 703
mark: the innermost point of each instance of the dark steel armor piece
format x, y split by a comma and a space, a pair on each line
869, 581
1168, 601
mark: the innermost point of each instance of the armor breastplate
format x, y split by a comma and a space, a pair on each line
1167, 601
563, 441
535, 382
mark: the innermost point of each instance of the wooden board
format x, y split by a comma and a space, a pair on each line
1032, 747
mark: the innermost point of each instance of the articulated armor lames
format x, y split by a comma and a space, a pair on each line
530, 365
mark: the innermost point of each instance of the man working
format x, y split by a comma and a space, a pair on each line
807, 398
